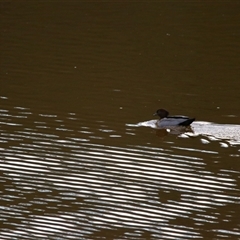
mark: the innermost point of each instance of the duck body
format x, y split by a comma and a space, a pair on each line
170, 121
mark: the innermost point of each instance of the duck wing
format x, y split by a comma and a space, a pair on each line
186, 122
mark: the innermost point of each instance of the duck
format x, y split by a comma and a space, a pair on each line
169, 121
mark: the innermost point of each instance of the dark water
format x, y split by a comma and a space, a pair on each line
80, 156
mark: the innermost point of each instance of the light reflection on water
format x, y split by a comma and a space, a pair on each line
212, 131
57, 182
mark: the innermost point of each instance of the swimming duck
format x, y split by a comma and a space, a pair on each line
167, 121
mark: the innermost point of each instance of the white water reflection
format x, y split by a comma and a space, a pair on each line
213, 131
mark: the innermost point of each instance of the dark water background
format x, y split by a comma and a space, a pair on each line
79, 156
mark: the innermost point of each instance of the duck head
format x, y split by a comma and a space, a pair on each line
162, 113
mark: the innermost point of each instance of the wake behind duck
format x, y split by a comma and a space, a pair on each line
180, 125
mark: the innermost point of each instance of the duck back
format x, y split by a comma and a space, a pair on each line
175, 121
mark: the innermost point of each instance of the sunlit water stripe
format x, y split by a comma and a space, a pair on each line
88, 155
97, 187
165, 170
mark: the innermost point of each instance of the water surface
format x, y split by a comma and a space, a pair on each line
80, 155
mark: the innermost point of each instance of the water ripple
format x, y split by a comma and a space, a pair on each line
60, 183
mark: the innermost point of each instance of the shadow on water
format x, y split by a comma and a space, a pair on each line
59, 182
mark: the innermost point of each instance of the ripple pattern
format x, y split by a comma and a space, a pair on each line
59, 182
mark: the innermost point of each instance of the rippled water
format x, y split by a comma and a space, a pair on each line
60, 181
80, 155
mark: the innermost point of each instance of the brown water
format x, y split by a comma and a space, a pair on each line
80, 157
